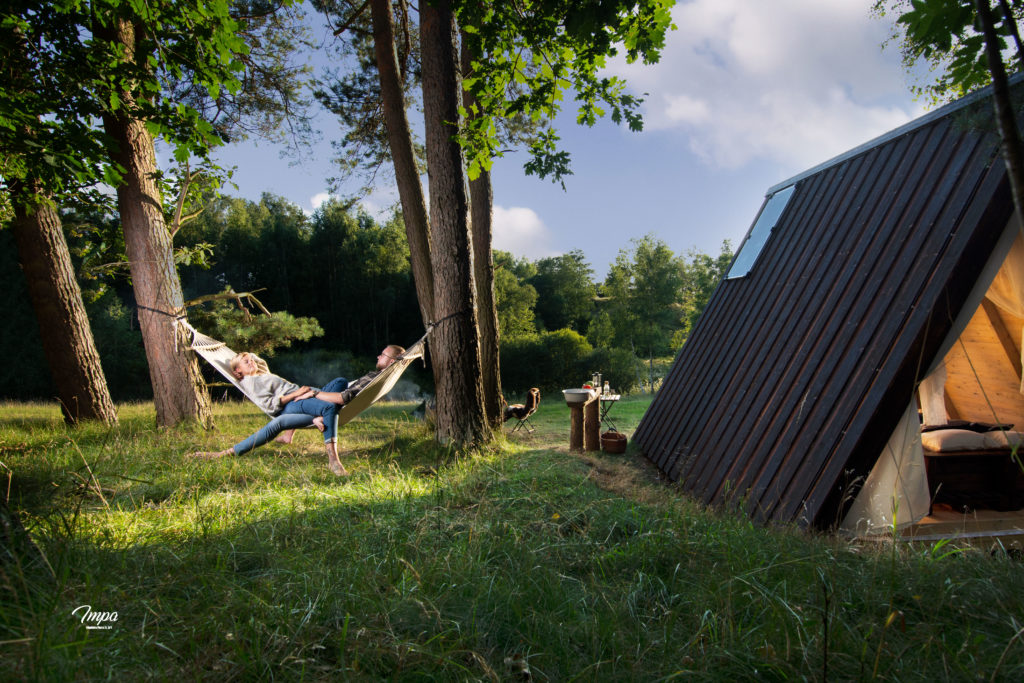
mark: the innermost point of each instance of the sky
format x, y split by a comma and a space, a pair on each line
746, 94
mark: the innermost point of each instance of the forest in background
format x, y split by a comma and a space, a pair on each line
339, 282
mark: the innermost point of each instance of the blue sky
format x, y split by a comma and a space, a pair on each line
746, 94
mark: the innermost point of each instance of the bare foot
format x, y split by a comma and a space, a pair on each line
286, 436
333, 464
318, 422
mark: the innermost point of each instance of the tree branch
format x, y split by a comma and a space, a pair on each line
179, 204
231, 295
351, 20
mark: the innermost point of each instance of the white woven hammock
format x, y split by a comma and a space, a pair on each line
217, 354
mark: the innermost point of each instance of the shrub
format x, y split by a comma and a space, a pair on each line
617, 366
119, 343
316, 367
550, 361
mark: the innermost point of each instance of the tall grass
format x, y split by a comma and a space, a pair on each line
520, 562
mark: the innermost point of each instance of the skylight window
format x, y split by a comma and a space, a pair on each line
758, 235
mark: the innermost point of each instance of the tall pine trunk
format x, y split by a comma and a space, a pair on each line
487, 310
410, 191
179, 392
455, 348
64, 330
56, 298
481, 200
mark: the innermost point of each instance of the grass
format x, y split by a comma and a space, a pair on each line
522, 562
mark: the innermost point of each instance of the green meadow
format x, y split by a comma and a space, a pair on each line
521, 561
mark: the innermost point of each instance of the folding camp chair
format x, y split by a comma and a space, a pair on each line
523, 411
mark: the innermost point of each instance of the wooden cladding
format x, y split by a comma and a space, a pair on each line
797, 373
984, 369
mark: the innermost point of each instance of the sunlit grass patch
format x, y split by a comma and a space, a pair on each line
426, 564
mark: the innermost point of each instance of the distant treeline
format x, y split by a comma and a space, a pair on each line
351, 273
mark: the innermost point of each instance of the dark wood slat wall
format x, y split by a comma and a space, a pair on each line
793, 365
912, 256
796, 374
982, 226
860, 304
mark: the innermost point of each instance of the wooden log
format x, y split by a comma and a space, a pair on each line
575, 426
592, 425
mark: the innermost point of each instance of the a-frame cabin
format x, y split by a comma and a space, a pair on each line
855, 283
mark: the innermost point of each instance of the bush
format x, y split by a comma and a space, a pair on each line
316, 367
122, 353
617, 366
551, 361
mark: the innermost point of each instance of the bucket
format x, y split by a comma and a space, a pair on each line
613, 442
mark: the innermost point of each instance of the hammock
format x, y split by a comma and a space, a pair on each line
217, 354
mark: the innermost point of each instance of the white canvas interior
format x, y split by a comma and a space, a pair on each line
969, 379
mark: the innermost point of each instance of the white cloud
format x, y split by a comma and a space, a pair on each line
521, 231
379, 204
686, 109
316, 200
790, 81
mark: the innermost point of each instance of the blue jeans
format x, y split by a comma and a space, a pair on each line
295, 419
316, 406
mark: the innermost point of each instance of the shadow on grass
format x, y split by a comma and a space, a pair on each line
392, 571
426, 566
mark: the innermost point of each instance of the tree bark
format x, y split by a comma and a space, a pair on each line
410, 190
481, 200
65, 334
57, 300
1013, 153
455, 350
179, 392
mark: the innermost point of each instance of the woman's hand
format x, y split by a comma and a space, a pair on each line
298, 394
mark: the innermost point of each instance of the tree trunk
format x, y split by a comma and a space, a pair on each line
414, 207
481, 200
179, 392
487, 308
456, 346
1013, 154
57, 299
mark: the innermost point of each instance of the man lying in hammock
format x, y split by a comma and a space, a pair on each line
294, 406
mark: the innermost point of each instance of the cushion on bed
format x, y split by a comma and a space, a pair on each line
968, 425
956, 440
1006, 439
